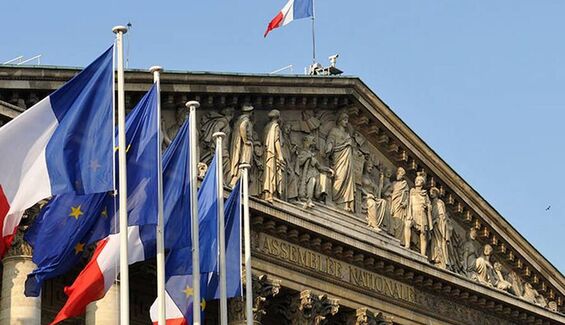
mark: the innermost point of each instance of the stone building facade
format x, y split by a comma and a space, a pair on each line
355, 220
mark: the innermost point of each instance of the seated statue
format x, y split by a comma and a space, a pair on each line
500, 282
373, 205
484, 271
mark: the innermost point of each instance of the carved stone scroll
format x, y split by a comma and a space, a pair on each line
307, 308
264, 288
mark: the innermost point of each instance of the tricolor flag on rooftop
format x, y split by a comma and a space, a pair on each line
63, 144
294, 9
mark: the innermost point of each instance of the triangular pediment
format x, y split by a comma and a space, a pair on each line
305, 208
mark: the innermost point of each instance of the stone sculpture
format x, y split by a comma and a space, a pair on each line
484, 271
312, 174
171, 131
442, 231
533, 296
500, 282
373, 205
418, 215
291, 175
399, 203
469, 251
339, 147
273, 158
241, 148
211, 123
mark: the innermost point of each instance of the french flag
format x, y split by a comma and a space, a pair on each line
62, 144
100, 273
294, 9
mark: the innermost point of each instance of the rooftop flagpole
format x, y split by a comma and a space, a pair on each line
122, 186
160, 235
313, 33
193, 172
221, 228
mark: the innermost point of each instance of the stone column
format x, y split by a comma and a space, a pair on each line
307, 308
15, 307
263, 289
106, 310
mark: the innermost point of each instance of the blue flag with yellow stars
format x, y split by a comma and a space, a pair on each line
69, 223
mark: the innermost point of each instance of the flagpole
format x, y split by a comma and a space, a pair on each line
161, 306
192, 106
247, 245
221, 228
122, 171
313, 33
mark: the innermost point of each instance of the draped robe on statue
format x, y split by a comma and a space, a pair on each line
241, 146
399, 203
274, 160
340, 143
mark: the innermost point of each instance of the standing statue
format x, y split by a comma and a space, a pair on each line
373, 205
399, 204
484, 271
418, 215
441, 233
386, 194
216, 122
339, 147
274, 161
499, 281
311, 171
241, 143
470, 253
289, 150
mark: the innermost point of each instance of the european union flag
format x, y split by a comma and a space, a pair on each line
71, 222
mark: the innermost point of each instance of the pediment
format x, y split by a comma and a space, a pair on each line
309, 108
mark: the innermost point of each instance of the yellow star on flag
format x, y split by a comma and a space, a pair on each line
76, 212
79, 248
203, 304
104, 213
188, 291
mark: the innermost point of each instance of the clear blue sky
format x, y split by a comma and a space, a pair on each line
482, 82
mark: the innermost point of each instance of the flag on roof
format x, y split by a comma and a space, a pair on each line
294, 9
63, 144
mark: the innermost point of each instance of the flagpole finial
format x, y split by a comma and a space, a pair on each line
192, 103
120, 28
244, 166
218, 134
155, 68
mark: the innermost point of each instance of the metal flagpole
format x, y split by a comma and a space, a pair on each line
161, 311
122, 190
221, 229
192, 106
313, 33
247, 244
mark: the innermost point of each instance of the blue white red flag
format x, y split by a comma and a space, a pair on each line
294, 9
101, 272
63, 144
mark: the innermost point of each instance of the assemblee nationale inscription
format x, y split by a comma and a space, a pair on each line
306, 258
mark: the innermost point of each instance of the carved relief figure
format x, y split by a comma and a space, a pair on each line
289, 150
211, 123
399, 203
170, 132
418, 215
533, 296
484, 271
470, 253
241, 143
500, 282
340, 149
373, 205
312, 173
441, 233
257, 168
273, 157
